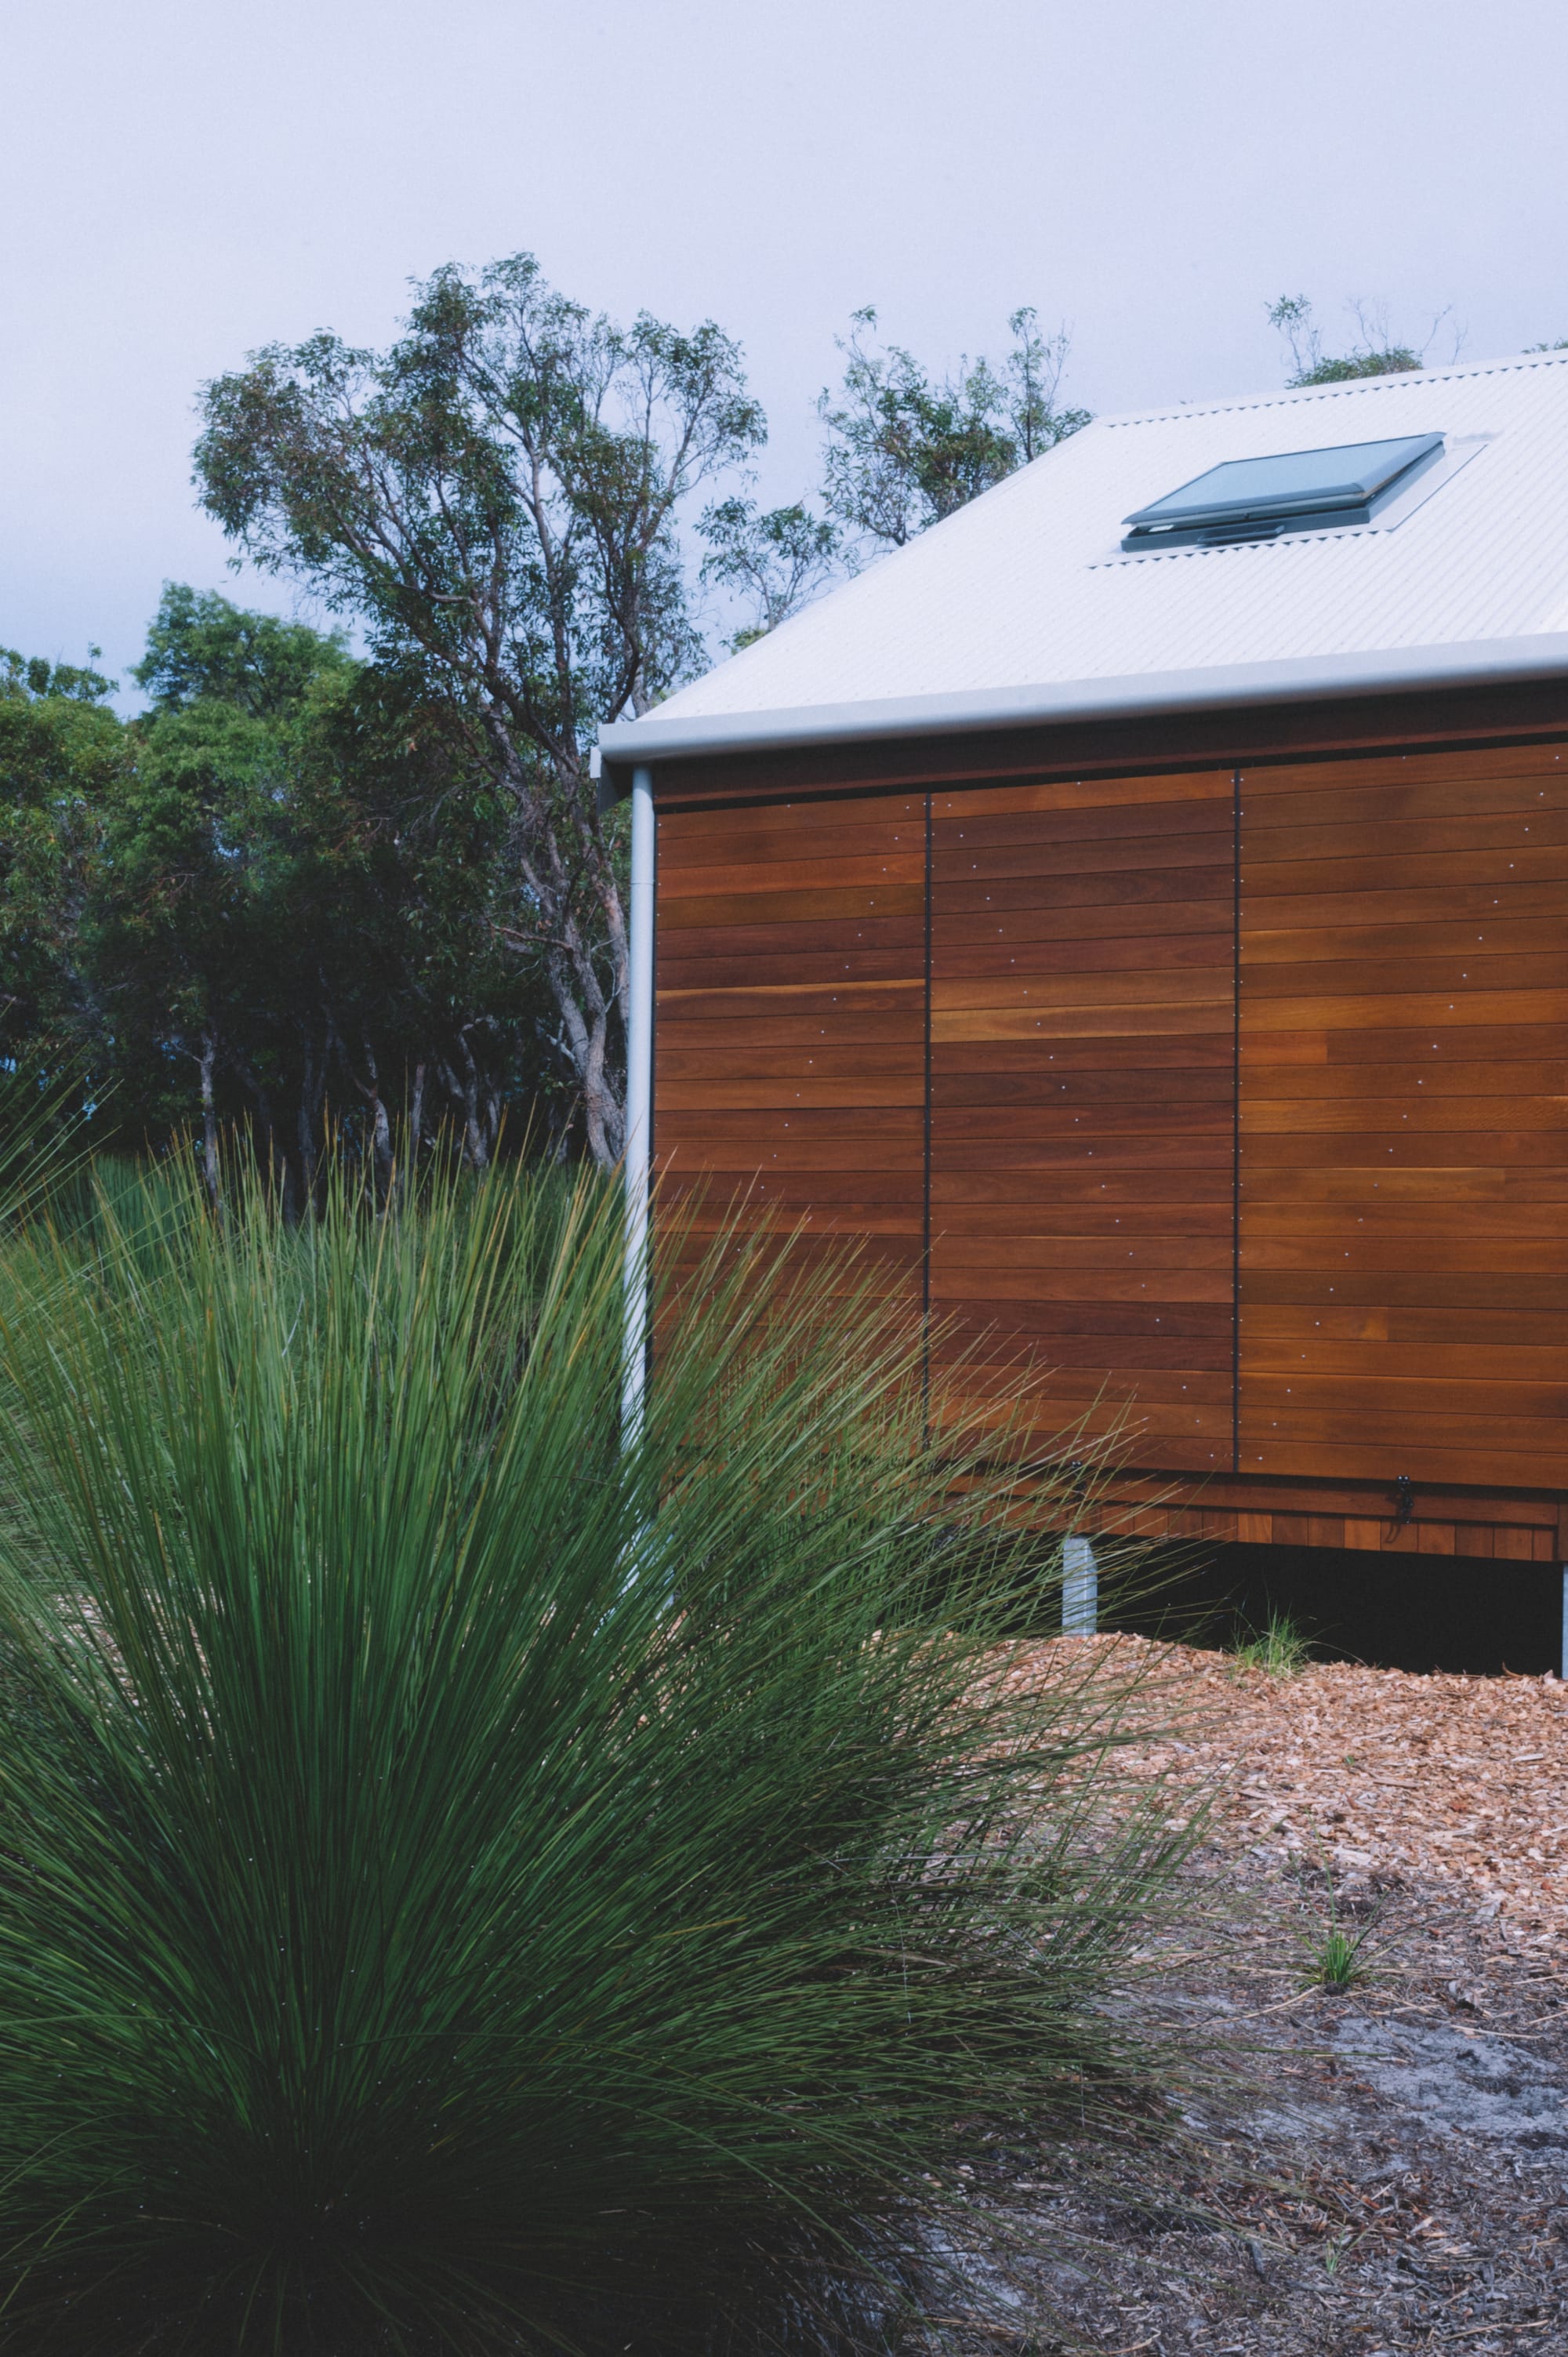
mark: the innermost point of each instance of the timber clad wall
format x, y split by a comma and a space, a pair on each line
1240, 1092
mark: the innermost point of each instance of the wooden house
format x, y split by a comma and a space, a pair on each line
1140, 908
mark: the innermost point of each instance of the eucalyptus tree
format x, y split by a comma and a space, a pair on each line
906, 447
497, 498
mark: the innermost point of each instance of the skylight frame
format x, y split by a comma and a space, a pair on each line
1258, 515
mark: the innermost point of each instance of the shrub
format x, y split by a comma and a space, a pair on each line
469, 1885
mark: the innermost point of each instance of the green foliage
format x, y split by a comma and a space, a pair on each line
774, 560
905, 448
497, 499
472, 1885
278, 897
1374, 354
33, 675
1337, 1944
1280, 1647
202, 649
63, 758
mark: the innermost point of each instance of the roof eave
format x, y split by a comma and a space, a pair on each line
633, 744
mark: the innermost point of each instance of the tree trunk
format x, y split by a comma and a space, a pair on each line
206, 1064
466, 1088
380, 1127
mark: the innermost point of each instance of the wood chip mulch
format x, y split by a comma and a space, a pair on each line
1455, 1784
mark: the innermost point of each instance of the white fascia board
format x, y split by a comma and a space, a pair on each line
1143, 695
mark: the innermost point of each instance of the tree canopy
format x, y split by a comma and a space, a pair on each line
272, 899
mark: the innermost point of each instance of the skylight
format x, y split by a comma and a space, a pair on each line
1299, 491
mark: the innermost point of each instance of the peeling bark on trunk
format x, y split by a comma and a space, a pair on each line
380, 1127
465, 1087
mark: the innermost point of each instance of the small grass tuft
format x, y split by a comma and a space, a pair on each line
1337, 1943
1280, 1648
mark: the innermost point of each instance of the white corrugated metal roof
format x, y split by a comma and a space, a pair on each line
1021, 605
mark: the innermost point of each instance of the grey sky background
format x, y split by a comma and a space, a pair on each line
182, 181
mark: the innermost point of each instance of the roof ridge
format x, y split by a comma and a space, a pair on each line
1298, 395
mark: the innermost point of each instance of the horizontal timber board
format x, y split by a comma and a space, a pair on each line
691, 1026
820, 1091
797, 905
1393, 1151
1467, 938
1262, 880
1209, 887
738, 822
687, 861
1003, 826
1305, 1391
1144, 1021
1047, 795
997, 952
1042, 918
800, 970
1343, 1083
1397, 840
1460, 1256
1031, 990
1413, 1045
1435, 1110
791, 998
1459, 970
1106, 1055
1375, 770
1355, 801
1455, 1009
699, 944
1443, 1360
1482, 905
1416, 1287
1270, 1323
1102, 857
1423, 1460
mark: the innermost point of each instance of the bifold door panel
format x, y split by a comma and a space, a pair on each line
1083, 1095
1404, 1156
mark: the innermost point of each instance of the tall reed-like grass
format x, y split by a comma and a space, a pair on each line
468, 1884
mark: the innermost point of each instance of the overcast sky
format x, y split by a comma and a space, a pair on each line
181, 181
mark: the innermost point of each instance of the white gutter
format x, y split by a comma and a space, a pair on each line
1140, 695
639, 1108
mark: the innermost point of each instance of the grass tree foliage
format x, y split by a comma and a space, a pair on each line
469, 1884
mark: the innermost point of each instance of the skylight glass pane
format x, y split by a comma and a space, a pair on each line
1296, 482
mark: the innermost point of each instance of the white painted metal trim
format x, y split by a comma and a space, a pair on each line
639, 1106
1310, 678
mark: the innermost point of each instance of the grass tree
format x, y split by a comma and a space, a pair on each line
470, 1885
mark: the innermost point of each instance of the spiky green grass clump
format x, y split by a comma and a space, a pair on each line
469, 1885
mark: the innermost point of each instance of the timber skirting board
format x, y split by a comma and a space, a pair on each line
1503, 1528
